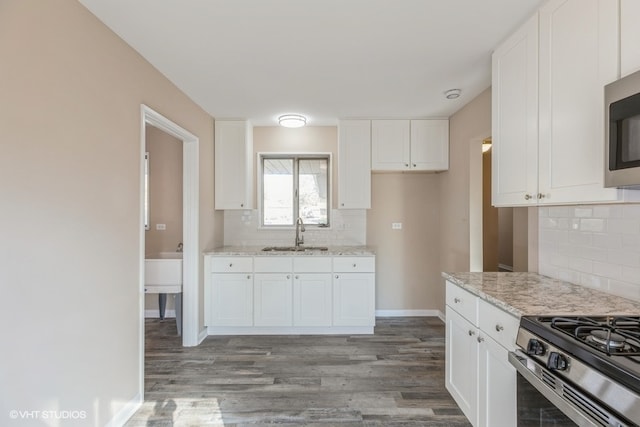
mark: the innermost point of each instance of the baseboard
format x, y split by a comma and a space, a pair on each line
204, 333
290, 330
155, 314
409, 313
123, 415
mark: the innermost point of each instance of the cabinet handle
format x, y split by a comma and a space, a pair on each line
480, 339
230, 264
337, 277
414, 165
297, 277
456, 300
288, 277
242, 205
406, 165
471, 333
354, 266
341, 204
540, 196
499, 327
248, 276
528, 197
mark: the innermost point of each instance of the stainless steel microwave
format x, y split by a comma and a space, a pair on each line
622, 132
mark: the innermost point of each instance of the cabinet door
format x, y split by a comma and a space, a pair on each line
461, 363
354, 164
629, 37
312, 299
578, 56
273, 299
515, 118
231, 300
390, 145
233, 165
354, 299
496, 385
429, 145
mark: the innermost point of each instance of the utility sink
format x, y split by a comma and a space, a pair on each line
294, 249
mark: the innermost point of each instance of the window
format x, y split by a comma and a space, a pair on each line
293, 187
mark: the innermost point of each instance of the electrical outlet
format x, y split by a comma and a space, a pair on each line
396, 226
161, 226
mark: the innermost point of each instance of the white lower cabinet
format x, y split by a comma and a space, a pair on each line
478, 374
273, 305
312, 299
353, 299
496, 385
303, 294
231, 299
462, 363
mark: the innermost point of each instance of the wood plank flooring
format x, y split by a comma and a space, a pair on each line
392, 378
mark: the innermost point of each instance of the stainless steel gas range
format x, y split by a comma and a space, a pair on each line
578, 370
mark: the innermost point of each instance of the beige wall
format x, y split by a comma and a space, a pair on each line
165, 191
70, 218
521, 239
490, 225
469, 125
506, 237
408, 260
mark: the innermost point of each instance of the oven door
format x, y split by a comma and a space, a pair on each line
544, 399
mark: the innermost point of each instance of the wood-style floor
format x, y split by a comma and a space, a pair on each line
392, 378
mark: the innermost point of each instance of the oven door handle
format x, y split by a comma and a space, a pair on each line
527, 368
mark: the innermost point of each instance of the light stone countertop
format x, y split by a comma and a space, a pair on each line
257, 251
530, 294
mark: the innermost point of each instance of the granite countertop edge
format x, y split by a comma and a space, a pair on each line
257, 251
531, 294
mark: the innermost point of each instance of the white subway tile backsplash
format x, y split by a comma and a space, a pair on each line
348, 228
594, 245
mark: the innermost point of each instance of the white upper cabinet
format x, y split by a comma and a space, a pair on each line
548, 105
354, 164
390, 145
404, 145
515, 118
578, 56
429, 145
233, 164
629, 36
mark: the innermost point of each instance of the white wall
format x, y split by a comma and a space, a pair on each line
593, 245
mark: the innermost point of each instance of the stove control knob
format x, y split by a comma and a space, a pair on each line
557, 362
535, 348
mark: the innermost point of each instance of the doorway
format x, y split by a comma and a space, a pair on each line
498, 235
190, 227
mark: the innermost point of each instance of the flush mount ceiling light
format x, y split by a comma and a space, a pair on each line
292, 120
452, 93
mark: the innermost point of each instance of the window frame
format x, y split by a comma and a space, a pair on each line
296, 156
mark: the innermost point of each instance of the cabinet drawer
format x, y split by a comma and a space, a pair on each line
232, 264
312, 265
465, 303
351, 264
498, 324
272, 264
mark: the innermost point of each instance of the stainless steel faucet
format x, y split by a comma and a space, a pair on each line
299, 231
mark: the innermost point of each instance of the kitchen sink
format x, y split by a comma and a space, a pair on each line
294, 249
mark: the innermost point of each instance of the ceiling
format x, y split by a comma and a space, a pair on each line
325, 59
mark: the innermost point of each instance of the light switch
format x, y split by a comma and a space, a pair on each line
161, 226
396, 226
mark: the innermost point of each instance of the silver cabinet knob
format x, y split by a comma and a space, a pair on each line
471, 333
499, 327
457, 300
480, 339
242, 205
528, 197
414, 165
248, 276
297, 277
540, 196
288, 277
354, 266
230, 264
337, 277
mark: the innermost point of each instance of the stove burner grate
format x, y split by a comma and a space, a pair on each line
615, 336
